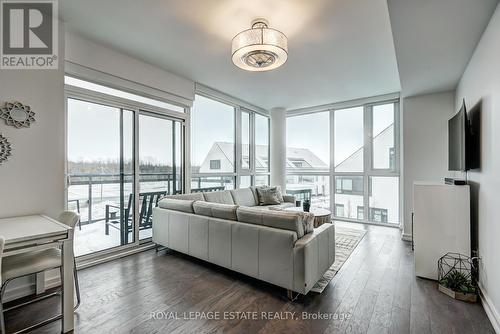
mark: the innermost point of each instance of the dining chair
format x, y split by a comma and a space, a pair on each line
31, 263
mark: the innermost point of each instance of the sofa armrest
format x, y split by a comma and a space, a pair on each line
314, 254
289, 199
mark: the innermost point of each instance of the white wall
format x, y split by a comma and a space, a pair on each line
425, 137
32, 180
87, 53
481, 84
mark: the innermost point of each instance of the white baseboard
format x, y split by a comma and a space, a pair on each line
490, 309
406, 236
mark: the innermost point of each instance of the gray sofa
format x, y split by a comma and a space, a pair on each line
230, 229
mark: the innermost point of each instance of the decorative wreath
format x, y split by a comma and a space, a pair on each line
17, 114
5, 149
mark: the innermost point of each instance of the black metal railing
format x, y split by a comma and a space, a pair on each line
86, 199
92, 179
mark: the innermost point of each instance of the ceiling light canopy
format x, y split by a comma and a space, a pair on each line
259, 48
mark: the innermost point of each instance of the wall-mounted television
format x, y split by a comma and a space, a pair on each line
463, 142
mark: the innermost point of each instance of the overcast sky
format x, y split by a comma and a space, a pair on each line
94, 134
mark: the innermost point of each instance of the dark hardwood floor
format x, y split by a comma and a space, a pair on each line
374, 292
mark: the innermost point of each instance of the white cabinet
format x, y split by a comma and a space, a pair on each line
441, 224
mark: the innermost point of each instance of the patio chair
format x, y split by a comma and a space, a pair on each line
147, 201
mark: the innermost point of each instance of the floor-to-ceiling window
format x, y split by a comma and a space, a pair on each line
213, 164
364, 150
383, 174
124, 152
348, 151
229, 146
308, 158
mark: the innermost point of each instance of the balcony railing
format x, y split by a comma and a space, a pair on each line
89, 193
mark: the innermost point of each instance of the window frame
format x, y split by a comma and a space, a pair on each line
254, 148
368, 151
138, 108
239, 109
368, 169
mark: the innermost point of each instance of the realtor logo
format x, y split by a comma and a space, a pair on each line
29, 34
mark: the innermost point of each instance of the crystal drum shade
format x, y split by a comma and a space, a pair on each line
259, 48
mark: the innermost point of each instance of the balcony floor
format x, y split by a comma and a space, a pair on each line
91, 238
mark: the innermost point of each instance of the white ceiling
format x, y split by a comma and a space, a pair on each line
338, 49
435, 40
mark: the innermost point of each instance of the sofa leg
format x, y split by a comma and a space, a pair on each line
292, 296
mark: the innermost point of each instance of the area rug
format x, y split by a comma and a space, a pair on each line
346, 240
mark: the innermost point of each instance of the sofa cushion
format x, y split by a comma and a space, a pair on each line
176, 204
289, 199
216, 210
269, 195
223, 197
285, 220
203, 208
281, 206
191, 197
244, 197
254, 192
306, 217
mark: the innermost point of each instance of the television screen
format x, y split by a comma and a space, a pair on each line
456, 141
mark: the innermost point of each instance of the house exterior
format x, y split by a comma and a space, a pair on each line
302, 163
349, 201
220, 159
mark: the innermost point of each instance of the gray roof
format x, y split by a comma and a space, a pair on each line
292, 154
261, 152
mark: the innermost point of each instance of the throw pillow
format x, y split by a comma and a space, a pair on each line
280, 195
269, 195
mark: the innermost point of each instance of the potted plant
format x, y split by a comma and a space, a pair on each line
455, 277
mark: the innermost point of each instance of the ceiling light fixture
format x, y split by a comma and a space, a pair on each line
259, 48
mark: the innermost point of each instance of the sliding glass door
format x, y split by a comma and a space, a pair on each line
100, 174
160, 164
123, 154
